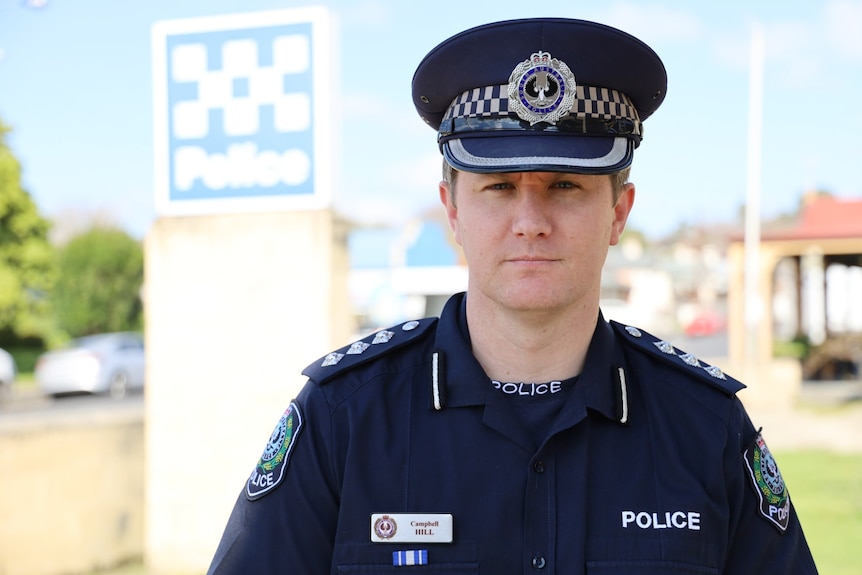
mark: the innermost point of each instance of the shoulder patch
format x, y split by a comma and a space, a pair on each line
367, 349
768, 483
668, 354
269, 471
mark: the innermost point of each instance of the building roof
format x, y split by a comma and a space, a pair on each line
823, 217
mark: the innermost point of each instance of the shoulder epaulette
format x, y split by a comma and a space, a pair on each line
670, 355
366, 349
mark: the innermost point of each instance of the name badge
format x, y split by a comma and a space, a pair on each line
411, 528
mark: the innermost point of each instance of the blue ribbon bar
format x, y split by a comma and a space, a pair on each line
410, 557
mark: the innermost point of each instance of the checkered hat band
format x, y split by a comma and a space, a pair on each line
590, 102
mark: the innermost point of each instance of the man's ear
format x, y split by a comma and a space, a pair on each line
448, 200
622, 209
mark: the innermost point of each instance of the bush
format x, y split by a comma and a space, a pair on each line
98, 287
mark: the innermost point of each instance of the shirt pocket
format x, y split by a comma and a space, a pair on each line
647, 568
460, 559
673, 552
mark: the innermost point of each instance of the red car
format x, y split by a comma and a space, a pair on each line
705, 323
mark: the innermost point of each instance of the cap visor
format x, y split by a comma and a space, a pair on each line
576, 154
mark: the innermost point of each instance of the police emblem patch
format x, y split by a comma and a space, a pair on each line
385, 527
768, 483
269, 470
541, 89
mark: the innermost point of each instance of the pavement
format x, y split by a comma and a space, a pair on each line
826, 416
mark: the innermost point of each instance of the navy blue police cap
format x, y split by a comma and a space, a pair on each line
539, 94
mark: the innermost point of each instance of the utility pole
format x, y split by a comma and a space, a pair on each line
753, 303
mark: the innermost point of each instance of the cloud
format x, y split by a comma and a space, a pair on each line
808, 52
842, 20
799, 51
418, 174
374, 13
397, 194
654, 22
791, 50
362, 105
731, 50
789, 39
783, 41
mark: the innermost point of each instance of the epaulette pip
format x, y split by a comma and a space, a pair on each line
670, 355
366, 349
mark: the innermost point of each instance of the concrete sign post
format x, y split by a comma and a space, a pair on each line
245, 277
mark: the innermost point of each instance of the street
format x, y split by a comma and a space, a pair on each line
29, 407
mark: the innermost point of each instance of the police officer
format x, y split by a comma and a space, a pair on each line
520, 432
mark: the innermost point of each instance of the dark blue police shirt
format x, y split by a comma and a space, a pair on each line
641, 472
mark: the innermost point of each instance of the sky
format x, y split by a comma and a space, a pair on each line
76, 89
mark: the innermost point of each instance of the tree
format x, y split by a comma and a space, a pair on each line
27, 265
101, 272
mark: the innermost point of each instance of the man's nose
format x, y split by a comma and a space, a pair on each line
531, 217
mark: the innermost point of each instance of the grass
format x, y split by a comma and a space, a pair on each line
132, 568
25, 379
826, 489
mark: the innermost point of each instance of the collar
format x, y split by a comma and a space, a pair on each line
459, 381
457, 375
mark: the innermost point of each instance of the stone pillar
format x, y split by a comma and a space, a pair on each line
236, 306
771, 381
814, 296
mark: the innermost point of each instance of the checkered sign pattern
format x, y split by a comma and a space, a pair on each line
240, 87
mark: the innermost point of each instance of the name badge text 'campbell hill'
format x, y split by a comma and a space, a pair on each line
411, 528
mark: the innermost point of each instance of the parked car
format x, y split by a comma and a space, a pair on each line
704, 324
8, 372
111, 363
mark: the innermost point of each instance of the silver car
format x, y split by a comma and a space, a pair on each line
111, 363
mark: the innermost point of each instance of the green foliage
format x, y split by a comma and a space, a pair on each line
798, 348
27, 265
25, 358
826, 489
631, 233
98, 287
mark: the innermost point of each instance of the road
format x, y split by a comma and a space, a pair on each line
28, 406
827, 415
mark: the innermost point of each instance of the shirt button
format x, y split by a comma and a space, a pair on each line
539, 466
539, 562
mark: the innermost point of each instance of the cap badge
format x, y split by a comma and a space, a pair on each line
541, 89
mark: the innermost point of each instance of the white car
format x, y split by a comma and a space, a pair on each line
8, 372
111, 363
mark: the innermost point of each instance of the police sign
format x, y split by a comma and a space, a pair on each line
241, 112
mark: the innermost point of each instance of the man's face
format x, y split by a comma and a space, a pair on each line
536, 241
